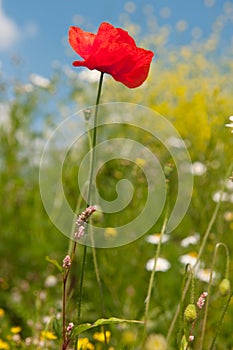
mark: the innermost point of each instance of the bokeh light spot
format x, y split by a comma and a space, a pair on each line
165, 12
130, 7
181, 26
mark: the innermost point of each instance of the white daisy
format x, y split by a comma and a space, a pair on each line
189, 258
204, 275
198, 169
50, 281
155, 238
230, 125
190, 240
220, 196
161, 265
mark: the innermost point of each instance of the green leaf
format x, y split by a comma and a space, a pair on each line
184, 343
100, 322
112, 320
55, 263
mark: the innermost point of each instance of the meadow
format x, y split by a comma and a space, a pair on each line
142, 307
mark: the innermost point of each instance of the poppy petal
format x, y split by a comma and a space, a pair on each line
81, 41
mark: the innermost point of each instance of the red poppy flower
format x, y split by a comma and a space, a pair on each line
113, 51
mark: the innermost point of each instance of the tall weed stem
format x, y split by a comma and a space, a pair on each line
218, 245
152, 276
201, 250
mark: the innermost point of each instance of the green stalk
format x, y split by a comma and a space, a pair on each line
188, 272
92, 141
218, 245
202, 247
94, 137
65, 342
152, 277
218, 328
204, 241
99, 282
71, 251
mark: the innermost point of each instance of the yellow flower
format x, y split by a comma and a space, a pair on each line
110, 232
156, 341
4, 345
99, 336
16, 330
128, 337
2, 312
84, 344
140, 162
48, 335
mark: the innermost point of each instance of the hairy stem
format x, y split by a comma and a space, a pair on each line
152, 278
209, 288
90, 184
202, 247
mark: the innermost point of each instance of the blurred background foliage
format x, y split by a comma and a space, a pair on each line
189, 86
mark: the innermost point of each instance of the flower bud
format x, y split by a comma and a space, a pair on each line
224, 287
168, 169
191, 338
66, 262
87, 114
97, 216
184, 343
69, 327
190, 313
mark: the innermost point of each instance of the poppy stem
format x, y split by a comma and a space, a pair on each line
92, 163
94, 137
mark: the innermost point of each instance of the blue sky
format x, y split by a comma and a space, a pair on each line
36, 31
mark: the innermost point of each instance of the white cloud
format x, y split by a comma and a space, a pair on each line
9, 31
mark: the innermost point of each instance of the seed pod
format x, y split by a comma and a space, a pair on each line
224, 287
168, 169
190, 313
97, 216
184, 343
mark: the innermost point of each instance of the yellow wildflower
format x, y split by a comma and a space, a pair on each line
156, 341
140, 162
110, 232
99, 336
128, 337
84, 344
16, 330
48, 335
4, 345
2, 312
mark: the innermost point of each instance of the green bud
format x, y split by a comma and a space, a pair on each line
224, 287
184, 343
87, 114
168, 169
97, 216
190, 313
